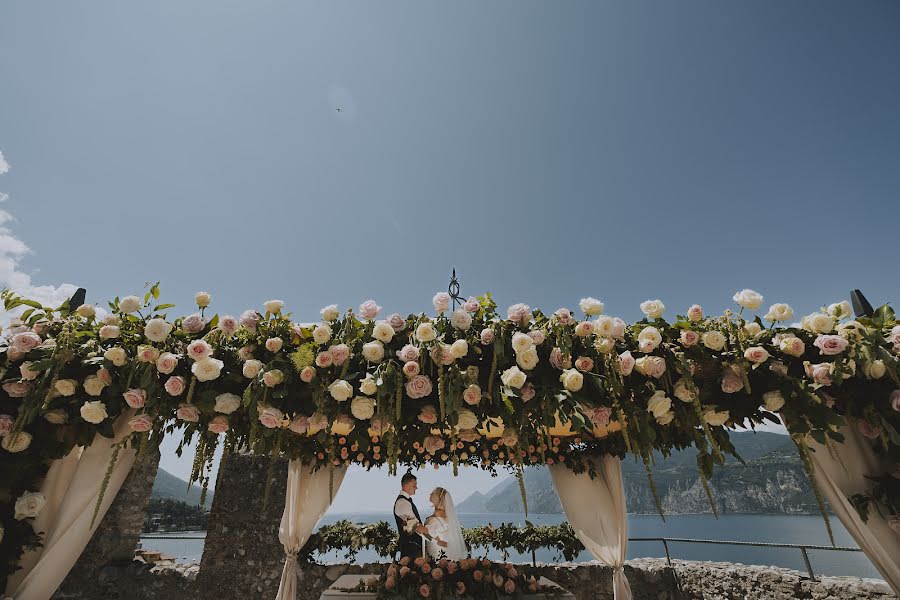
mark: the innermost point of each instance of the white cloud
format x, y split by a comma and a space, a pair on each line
12, 251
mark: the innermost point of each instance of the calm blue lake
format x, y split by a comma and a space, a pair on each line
755, 528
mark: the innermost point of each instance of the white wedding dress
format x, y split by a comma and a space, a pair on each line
447, 529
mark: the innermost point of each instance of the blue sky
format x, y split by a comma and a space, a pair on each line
548, 151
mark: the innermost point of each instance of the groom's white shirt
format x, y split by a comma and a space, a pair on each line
403, 509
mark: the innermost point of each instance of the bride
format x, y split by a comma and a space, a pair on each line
443, 527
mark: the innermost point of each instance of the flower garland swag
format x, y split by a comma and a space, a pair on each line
467, 387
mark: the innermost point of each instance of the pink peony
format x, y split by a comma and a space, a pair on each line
141, 423
434, 443
411, 369
193, 323
174, 385
218, 424
369, 309
339, 354
17, 389
428, 414
6, 423
689, 338
868, 430
830, 345
135, 397
25, 341
104, 375
397, 322
188, 412
408, 353
418, 387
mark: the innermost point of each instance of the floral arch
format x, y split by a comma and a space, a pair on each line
464, 386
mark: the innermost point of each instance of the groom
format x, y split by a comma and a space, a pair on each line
409, 523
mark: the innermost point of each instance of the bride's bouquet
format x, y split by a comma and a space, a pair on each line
466, 578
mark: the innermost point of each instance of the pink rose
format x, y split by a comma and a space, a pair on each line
174, 385
271, 417
868, 430
307, 374
440, 354
249, 319
778, 367
17, 389
140, 423
600, 415
819, 373
26, 371
626, 363
379, 425
147, 354
584, 363
537, 336
437, 574
408, 353
324, 359
424, 590
246, 352
166, 363
104, 376
411, 369
434, 443
6, 423
756, 354
339, 354
564, 316
732, 382
418, 387
695, 313
468, 435
218, 424
193, 323
369, 310
584, 329
299, 424
108, 332
526, 392
829, 345
471, 305
43, 326
274, 344
792, 346
487, 336
441, 302
560, 361
404, 571
187, 412
135, 397
689, 338
895, 400
651, 366
199, 349
519, 313
397, 322
509, 587
228, 325
428, 415
25, 341
318, 421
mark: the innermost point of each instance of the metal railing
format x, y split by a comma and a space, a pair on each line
802, 547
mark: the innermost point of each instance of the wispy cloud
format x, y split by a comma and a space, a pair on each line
12, 251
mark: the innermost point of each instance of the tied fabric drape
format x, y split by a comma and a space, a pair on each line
71, 489
840, 477
596, 510
306, 499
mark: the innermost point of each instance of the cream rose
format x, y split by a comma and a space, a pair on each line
362, 407
66, 387
147, 354
29, 505
93, 385
129, 304
605, 326
659, 404
773, 400
86, 310
17, 442
875, 369
695, 313
779, 312
472, 395
207, 369
487, 336
748, 299
521, 341
426, 332
57, 416
157, 330
273, 377
166, 363
116, 356
653, 308
584, 328
340, 390
514, 377
466, 419
683, 391
604, 345
461, 319
274, 344
528, 359
459, 349
368, 386
591, 306
626, 363
373, 351
792, 346
649, 339
93, 411
251, 368
330, 313
227, 403
840, 310
109, 332
756, 354
274, 306
572, 380
713, 340
651, 366
716, 418
322, 333
818, 323
174, 386
383, 332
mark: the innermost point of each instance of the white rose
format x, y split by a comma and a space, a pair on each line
752, 329
16, 443
383, 332
29, 505
683, 391
716, 419
340, 390
513, 377
713, 340
157, 330
773, 401
466, 419
93, 385
373, 351
572, 379
368, 386
330, 313
461, 319
202, 299
840, 310
527, 359
659, 404
779, 312
591, 306
605, 326
129, 304
227, 403
874, 369
207, 369
108, 320
251, 368
362, 408
109, 332
425, 332
653, 308
322, 333
459, 348
818, 323
748, 299
86, 311
521, 342
93, 411
604, 345
66, 387
651, 338
274, 306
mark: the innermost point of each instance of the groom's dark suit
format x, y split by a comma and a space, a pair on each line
410, 542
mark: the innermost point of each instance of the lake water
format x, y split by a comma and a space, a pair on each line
753, 528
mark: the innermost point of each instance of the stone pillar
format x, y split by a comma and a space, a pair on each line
242, 557
117, 535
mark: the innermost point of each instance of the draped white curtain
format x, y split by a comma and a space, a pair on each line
596, 510
843, 475
71, 490
306, 499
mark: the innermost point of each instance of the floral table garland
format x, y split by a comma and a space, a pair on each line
462, 387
